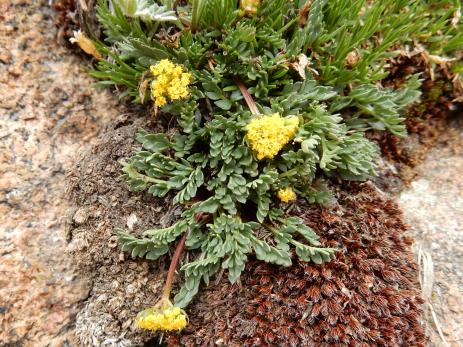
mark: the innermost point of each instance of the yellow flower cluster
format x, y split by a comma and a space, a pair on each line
268, 134
167, 318
286, 195
170, 82
250, 6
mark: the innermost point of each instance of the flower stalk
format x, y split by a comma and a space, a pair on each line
164, 315
173, 266
247, 97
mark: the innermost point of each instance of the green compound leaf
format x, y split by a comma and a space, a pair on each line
165, 236
203, 268
144, 247
191, 185
140, 49
314, 254
270, 254
224, 104
153, 142
383, 107
320, 62
263, 206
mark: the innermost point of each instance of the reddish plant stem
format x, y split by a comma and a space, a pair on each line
173, 266
247, 97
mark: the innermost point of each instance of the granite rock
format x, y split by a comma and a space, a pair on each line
49, 114
433, 206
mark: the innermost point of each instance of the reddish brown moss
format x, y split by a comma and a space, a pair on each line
426, 120
367, 296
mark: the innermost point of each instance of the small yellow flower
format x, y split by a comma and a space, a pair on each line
85, 44
250, 6
268, 134
163, 316
170, 82
286, 195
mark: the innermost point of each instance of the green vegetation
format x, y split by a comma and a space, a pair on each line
266, 96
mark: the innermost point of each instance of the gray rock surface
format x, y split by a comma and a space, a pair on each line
49, 113
433, 206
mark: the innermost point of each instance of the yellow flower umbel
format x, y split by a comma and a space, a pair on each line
268, 134
170, 82
250, 6
162, 316
286, 195
85, 44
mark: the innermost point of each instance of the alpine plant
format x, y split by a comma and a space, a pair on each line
265, 97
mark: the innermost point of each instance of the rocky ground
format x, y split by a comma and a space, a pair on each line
433, 206
49, 114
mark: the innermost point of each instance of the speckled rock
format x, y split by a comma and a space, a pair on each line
433, 206
49, 114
